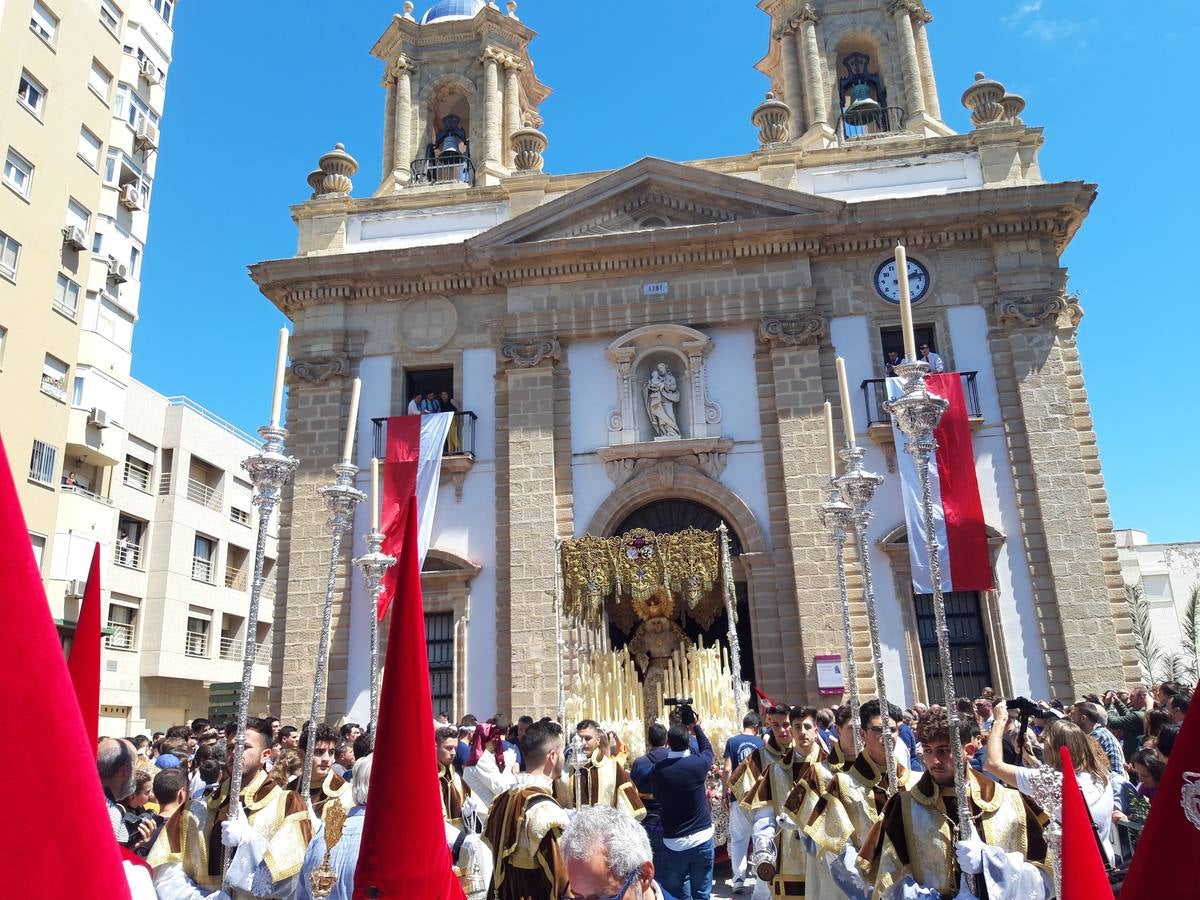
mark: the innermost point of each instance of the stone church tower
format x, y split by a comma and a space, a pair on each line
543, 303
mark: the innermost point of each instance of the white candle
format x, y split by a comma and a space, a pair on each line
829, 439
280, 368
906, 325
847, 410
352, 424
374, 494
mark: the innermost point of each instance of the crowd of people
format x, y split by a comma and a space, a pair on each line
533, 812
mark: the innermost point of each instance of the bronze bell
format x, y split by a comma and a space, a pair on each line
863, 107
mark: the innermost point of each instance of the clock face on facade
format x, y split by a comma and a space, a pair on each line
887, 282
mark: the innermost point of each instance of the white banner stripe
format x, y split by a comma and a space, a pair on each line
435, 428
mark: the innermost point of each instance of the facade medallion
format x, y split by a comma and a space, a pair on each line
428, 323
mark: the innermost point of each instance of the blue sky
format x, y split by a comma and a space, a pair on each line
676, 79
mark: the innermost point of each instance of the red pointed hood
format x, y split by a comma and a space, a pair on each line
84, 664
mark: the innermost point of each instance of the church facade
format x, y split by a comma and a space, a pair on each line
652, 347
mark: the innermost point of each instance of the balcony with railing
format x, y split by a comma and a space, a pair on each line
442, 170
129, 555
202, 569
864, 124
879, 421
121, 636
164, 484
458, 453
234, 648
73, 487
137, 474
204, 494
196, 644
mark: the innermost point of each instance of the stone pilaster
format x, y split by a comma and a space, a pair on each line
402, 157
925, 59
492, 124
528, 366
793, 91
389, 126
810, 619
910, 66
814, 81
512, 106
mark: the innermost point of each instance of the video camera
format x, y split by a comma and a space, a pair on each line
1023, 707
687, 713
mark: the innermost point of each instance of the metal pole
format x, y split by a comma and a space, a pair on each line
917, 413
374, 565
341, 497
838, 518
857, 486
558, 629
269, 470
735, 648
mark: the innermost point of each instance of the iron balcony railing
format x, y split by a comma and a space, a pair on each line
205, 495
233, 648
872, 123
195, 644
241, 516
129, 556
461, 441
875, 395
202, 569
137, 474
433, 171
236, 579
120, 637
84, 492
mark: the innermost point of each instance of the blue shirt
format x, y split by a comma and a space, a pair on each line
678, 784
740, 746
910, 741
342, 859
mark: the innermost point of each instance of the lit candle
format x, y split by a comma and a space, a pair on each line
280, 368
374, 494
829, 439
847, 410
352, 424
906, 326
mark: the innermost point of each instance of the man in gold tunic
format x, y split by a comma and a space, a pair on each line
525, 822
269, 827
177, 852
326, 786
917, 840
600, 779
750, 778
462, 817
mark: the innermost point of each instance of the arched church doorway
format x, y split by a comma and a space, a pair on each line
673, 515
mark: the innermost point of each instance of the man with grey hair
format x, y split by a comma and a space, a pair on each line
607, 854
114, 761
343, 855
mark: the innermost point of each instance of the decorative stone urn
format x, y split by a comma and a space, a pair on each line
338, 167
1014, 105
983, 99
771, 119
528, 145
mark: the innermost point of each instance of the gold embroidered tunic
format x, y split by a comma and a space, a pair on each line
522, 831
601, 782
333, 788
454, 793
851, 804
747, 778
919, 828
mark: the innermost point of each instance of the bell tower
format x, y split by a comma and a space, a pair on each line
852, 69
459, 84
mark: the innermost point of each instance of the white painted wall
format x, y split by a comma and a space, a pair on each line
903, 177
422, 227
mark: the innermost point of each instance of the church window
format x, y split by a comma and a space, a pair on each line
439, 644
968, 644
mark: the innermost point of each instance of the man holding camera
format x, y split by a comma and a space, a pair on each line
597, 779
678, 783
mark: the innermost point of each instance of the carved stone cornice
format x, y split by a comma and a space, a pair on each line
1038, 308
316, 370
400, 65
501, 57
797, 331
914, 8
529, 353
706, 455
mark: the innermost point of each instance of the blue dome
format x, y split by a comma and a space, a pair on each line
452, 9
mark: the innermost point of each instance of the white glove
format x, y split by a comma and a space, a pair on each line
970, 853
785, 822
236, 830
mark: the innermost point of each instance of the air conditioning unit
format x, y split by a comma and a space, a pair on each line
130, 197
149, 71
98, 417
76, 587
147, 135
117, 270
74, 237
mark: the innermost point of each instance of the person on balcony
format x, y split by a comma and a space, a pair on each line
890, 362
925, 353
453, 439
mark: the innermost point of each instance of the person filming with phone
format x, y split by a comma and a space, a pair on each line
679, 786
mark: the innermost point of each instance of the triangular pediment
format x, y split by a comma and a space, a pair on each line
652, 194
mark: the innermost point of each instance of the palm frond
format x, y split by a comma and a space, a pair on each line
1150, 655
1190, 626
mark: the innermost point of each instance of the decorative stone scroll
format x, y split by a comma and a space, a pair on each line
319, 369
706, 455
793, 332
1035, 309
528, 353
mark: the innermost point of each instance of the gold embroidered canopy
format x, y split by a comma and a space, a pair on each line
642, 575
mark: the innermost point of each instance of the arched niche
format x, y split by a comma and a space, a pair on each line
636, 355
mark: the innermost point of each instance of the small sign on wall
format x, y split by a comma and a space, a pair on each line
656, 288
830, 675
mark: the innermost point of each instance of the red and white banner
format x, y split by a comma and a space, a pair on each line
412, 467
957, 510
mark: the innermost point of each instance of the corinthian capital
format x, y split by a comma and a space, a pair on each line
806, 13
1032, 310
529, 352
400, 65
915, 9
798, 331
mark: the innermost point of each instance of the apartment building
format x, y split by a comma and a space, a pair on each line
82, 89
178, 566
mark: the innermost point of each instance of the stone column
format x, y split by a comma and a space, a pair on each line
403, 155
914, 94
818, 100
793, 90
527, 653
389, 126
811, 624
492, 126
512, 105
932, 104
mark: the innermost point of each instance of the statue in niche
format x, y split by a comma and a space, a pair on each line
661, 393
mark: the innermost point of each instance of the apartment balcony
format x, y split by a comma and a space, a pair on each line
232, 648
90, 436
121, 636
202, 570
129, 556
458, 454
189, 657
879, 421
195, 644
204, 494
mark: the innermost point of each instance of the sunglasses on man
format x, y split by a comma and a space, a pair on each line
619, 895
